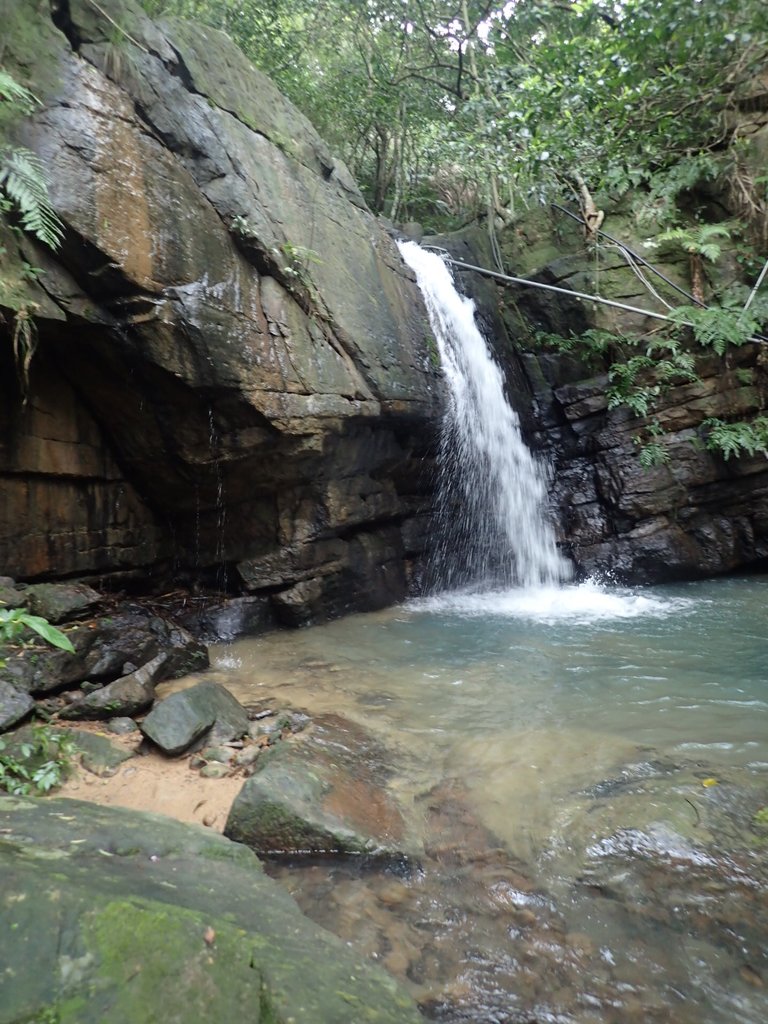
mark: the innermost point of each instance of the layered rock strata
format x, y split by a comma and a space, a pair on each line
231, 379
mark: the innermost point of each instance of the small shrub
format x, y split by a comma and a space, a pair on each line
14, 622
37, 765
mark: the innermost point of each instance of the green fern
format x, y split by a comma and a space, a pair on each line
22, 178
12, 92
734, 439
716, 327
699, 241
654, 453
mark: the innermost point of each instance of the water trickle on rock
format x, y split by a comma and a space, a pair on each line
492, 493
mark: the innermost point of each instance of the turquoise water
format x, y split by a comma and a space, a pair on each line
609, 742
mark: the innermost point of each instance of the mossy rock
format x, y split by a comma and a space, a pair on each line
112, 915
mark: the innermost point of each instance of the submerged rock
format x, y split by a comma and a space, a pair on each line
118, 916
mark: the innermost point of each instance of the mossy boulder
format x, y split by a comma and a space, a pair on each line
176, 722
118, 916
326, 793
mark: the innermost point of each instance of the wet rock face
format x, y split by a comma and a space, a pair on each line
698, 514
232, 360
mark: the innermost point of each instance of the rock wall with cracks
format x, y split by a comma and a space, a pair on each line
231, 380
697, 515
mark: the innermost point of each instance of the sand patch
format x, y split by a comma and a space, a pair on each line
153, 782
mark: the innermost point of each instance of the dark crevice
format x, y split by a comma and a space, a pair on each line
61, 16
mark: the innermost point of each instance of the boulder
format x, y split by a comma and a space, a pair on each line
60, 602
145, 919
176, 722
14, 705
98, 754
324, 794
103, 647
125, 696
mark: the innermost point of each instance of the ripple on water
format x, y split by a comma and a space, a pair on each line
614, 746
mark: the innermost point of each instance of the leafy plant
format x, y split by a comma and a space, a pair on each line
626, 388
37, 765
700, 242
14, 622
654, 453
23, 187
734, 439
716, 327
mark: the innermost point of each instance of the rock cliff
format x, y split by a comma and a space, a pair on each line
696, 515
231, 380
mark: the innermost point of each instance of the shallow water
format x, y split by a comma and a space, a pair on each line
586, 762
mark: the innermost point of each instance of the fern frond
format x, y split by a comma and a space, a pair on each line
733, 439
709, 251
715, 327
13, 92
23, 180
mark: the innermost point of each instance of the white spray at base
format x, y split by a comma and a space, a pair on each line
492, 493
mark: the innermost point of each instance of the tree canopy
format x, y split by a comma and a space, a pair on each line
440, 106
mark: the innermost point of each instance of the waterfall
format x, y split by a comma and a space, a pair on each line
492, 493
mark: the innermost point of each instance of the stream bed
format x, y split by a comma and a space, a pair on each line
589, 767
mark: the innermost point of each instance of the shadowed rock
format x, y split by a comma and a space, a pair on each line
176, 722
126, 696
14, 705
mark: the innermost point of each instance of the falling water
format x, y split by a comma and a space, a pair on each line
492, 493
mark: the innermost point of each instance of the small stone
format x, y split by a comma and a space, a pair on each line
223, 755
247, 756
214, 771
209, 819
298, 721
122, 726
90, 687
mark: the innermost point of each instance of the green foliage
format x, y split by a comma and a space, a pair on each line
716, 327
35, 767
15, 622
22, 178
653, 453
622, 91
590, 342
699, 240
23, 187
734, 439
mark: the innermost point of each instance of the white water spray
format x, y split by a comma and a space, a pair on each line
492, 493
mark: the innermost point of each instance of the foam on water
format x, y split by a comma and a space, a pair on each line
585, 603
